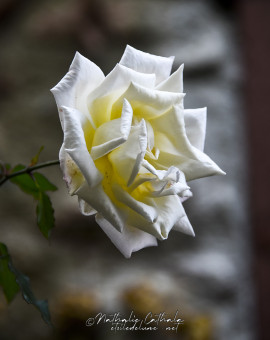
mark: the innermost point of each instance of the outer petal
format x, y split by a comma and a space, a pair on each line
91, 190
147, 63
195, 122
85, 208
112, 133
174, 83
147, 103
73, 89
170, 210
72, 174
129, 240
99, 200
184, 226
75, 146
175, 148
100, 101
127, 159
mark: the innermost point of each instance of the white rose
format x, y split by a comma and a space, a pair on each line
129, 146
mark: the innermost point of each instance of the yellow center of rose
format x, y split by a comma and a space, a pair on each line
103, 111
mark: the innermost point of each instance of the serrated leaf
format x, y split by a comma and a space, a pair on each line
34, 160
23, 283
43, 183
7, 278
25, 182
45, 214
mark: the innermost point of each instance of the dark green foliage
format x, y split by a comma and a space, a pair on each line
36, 185
12, 280
25, 182
7, 278
43, 183
45, 214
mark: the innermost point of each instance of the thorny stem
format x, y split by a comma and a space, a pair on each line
28, 170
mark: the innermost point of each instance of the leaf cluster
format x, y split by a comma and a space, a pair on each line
36, 185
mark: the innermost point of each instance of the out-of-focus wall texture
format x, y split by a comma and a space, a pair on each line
207, 278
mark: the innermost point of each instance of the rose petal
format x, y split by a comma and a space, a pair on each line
174, 189
150, 136
113, 133
183, 225
91, 190
72, 174
185, 195
73, 89
147, 103
175, 148
147, 63
147, 211
140, 179
170, 182
129, 240
99, 200
174, 83
127, 158
154, 154
170, 210
75, 146
195, 122
100, 101
150, 168
85, 208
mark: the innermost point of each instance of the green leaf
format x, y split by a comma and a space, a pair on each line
18, 167
36, 185
12, 280
45, 214
7, 278
25, 182
24, 283
32, 184
34, 160
43, 183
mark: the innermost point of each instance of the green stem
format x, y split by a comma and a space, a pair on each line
28, 170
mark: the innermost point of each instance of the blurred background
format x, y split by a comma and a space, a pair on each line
219, 280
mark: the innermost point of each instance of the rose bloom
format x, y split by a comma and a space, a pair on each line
130, 146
